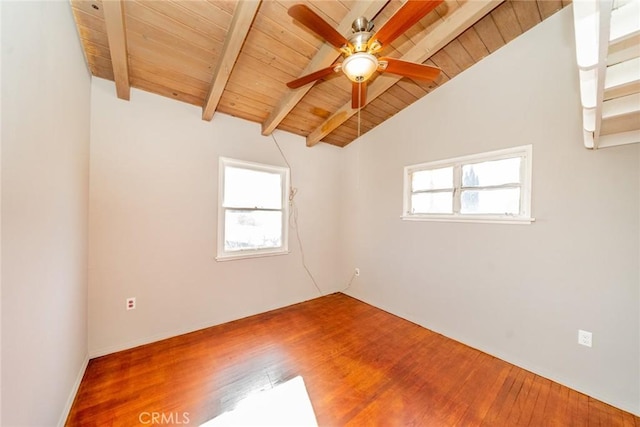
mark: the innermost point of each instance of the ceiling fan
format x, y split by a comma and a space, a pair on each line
361, 48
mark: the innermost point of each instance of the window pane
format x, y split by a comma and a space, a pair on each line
245, 230
495, 172
432, 203
433, 179
499, 201
246, 188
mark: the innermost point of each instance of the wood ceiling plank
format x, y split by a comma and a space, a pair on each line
94, 37
375, 109
393, 97
313, 109
332, 11
102, 72
273, 54
227, 6
164, 39
548, 7
407, 97
94, 49
367, 121
446, 63
307, 116
239, 28
326, 56
89, 20
168, 58
172, 77
161, 79
328, 98
91, 7
354, 126
257, 72
382, 104
116, 34
209, 12
527, 13
164, 91
173, 11
239, 100
458, 22
410, 86
506, 21
489, 34
274, 19
237, 87
472, 43
459, 54
100, 62
236, 105
142, 12
338, 141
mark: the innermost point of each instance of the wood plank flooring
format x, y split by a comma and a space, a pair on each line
360, 365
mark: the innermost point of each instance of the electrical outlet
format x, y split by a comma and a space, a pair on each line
584, 338
131, 303
357, 272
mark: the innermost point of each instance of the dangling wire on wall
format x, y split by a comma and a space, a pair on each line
293, 215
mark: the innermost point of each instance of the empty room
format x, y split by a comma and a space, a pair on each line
320, 213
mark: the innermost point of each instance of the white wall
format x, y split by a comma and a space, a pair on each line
45, 159
520, 292
153, 221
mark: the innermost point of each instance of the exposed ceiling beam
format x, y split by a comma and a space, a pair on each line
459, 21
326, 56
114, 22
243, 16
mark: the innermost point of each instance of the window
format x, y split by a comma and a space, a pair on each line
487, 187
252, 209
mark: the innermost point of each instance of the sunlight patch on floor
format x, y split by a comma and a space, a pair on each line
286, 404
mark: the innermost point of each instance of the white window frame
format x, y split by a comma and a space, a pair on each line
524, 217
224, 255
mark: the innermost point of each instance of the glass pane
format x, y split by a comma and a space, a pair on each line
246, 188
495, 172
432, 203
245, 230
500, 201
434, 179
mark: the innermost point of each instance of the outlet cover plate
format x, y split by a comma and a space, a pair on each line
585, 338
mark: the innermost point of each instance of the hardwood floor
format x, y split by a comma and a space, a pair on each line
361, 366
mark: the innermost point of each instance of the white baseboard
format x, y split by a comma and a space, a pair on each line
74, 391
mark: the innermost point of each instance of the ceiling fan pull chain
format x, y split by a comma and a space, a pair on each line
359, 106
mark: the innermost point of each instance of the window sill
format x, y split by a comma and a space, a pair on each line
249, 254
484, 219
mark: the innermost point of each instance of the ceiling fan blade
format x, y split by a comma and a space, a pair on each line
358, 94
316, 75
314, 22
408, 14
411, 69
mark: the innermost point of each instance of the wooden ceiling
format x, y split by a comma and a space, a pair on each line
235, 56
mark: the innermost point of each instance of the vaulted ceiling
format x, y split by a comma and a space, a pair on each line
236, 56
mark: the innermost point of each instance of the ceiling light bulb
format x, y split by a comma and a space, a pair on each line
359, 66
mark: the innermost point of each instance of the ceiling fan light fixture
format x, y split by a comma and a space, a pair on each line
359, 66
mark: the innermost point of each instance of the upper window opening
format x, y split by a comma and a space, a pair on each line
487, 187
